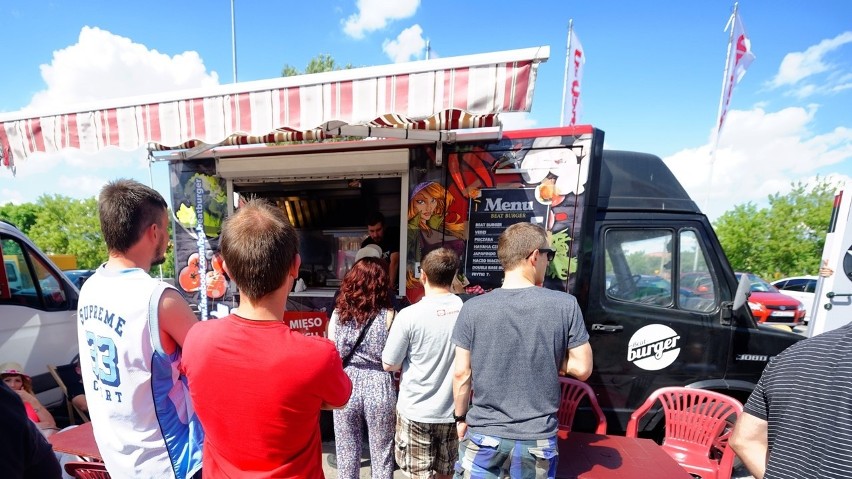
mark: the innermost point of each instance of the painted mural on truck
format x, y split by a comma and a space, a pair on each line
480, 189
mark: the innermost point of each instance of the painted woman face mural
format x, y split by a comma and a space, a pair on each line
427, 210
430, 226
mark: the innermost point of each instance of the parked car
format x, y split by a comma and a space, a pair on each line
770, 306
801, 288
700, 283
78, 276
38, 311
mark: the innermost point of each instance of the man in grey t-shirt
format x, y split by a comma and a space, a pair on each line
419, 343
511, 346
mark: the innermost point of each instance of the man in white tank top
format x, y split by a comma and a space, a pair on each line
131, 328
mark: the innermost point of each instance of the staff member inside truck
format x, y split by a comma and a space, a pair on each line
387, 239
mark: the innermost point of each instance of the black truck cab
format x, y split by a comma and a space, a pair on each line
657, 292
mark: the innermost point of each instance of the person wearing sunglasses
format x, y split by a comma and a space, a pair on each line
513, 343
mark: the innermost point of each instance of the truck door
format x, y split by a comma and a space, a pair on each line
654, 311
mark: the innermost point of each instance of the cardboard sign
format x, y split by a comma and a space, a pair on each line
309, 323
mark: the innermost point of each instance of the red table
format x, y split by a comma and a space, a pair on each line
596, 456
79, 441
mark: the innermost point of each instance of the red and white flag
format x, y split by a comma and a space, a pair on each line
574, 61
740, 57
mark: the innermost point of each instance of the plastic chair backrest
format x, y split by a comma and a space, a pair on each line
573, 391
86, 470
698, 424
62, 375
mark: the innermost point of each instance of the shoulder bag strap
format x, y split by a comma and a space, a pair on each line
357, 342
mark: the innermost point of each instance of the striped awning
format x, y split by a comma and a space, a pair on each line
440, 94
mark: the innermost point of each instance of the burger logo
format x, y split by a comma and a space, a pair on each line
653, 347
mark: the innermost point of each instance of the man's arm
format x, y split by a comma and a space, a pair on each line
175, 320
397, 344
391, 367
337, 385
750, 441
461, 388
578, 362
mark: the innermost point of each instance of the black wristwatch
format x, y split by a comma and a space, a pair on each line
459, 418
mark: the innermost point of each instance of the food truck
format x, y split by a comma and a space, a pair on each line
657, 293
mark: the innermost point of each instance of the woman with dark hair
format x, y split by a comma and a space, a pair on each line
363, 310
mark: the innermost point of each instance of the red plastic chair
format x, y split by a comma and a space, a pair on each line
573, 391
87, 470
698, 424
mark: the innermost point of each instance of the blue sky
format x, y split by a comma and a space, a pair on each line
652, 79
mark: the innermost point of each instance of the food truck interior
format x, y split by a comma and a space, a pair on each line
330, 216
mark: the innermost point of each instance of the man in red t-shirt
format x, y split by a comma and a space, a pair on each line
257, 386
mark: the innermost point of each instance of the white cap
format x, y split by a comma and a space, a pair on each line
369, 251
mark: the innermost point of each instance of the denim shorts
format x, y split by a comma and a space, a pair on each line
489, 457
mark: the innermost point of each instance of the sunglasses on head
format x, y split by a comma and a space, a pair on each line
549, 252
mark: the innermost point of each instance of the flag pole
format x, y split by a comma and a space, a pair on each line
715, 143
565, 78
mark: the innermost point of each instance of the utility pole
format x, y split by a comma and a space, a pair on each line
233, 42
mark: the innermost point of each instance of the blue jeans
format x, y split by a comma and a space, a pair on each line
489, 457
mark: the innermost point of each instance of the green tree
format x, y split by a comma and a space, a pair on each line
168, 268
784, 239
69, 226
320, 63
23, 216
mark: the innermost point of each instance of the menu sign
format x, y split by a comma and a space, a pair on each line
490, 214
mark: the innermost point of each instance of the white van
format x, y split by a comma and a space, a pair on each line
38, 310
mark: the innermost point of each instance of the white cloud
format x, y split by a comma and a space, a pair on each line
86, 183
8, 195
517, 121
102, 66
108, 158
760, 153
799, 66
408, 45
375, 14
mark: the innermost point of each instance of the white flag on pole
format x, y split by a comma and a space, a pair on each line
740, 57
574, 62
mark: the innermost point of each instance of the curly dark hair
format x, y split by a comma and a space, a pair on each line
364, 291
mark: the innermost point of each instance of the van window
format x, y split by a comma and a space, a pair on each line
697, 290
36, 287
639, 265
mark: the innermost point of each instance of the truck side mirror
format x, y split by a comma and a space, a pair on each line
741, 295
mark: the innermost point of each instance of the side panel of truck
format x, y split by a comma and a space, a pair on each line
479, 189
